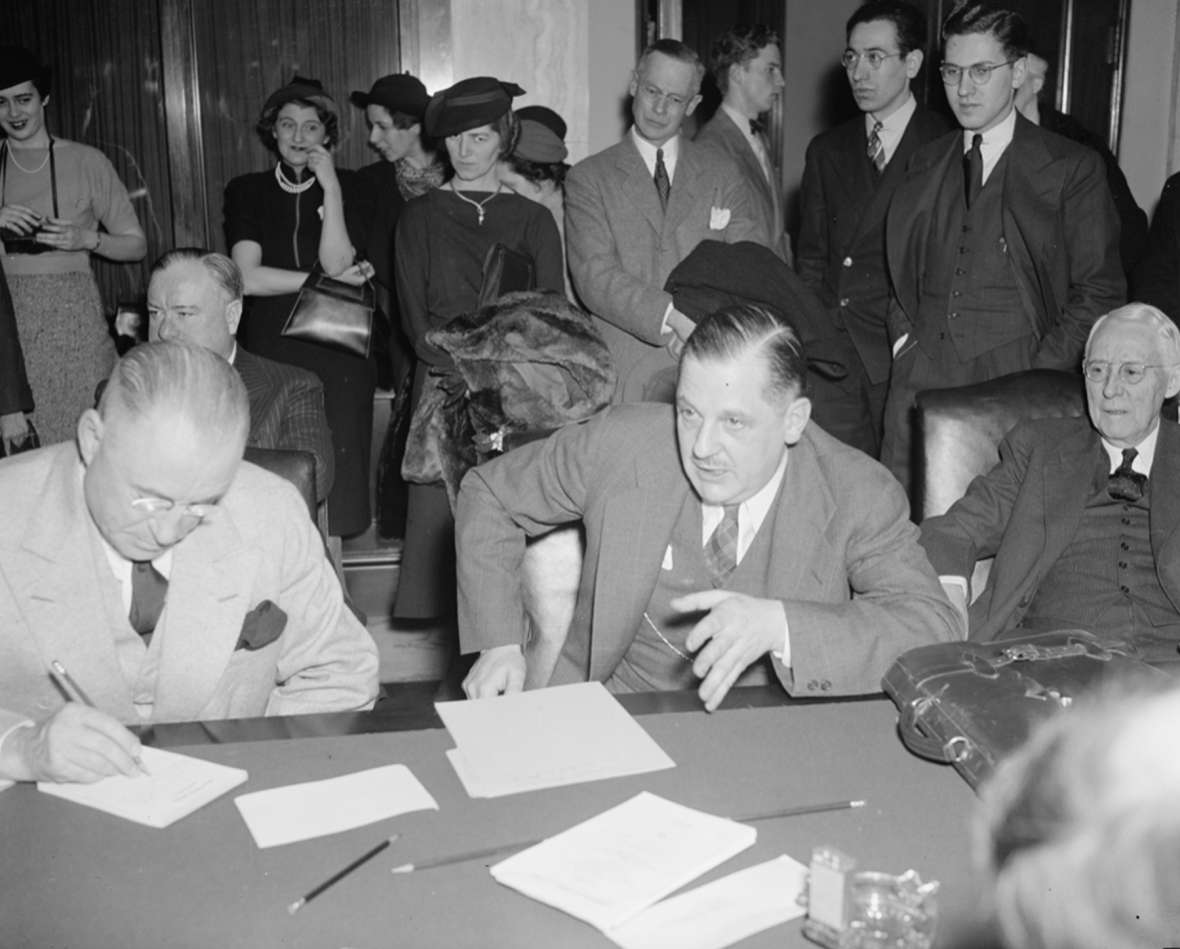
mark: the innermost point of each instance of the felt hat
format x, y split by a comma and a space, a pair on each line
300, 89
542, 134
469, 104
400, 92
18, 65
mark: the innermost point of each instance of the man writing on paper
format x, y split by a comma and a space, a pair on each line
728, 539
173, 581
1081, 514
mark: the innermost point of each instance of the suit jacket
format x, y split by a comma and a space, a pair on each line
287, 412
841, 252
856, 587
1157, 277
722, 134
59, 600
1026, 510
15, 394
622, 246
1059, 226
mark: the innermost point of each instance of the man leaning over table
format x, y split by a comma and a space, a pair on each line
172, 580
728, 538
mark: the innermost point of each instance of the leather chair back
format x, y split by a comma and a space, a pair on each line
298, 467
960, 429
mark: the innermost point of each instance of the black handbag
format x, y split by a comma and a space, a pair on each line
333, 313
969, 704
505, 271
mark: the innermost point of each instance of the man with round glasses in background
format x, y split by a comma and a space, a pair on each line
849, 178
1081, 514
1002, 241
148, 574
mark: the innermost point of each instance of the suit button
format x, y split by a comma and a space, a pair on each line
1124, 546
844, 301
1024, 601
956, 293
825, 686
1125, 588
962, 250
953, 316
812, 686
966, 228
1122, 565
847, 261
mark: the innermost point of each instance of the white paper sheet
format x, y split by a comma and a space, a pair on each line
175, 787
720, 913
611, 867
546, 738
315, 808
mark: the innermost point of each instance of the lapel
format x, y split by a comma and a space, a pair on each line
59, 581
1165, 502
741, 148
1067, 480
208, 597
638, 187
800, 556
684, 198
636, 526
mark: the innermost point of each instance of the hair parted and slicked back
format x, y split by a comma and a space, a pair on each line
979, 16
734, 331
736, 47
678, 51
223, 270
907, 20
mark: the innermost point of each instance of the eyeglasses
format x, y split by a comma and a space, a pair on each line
156, 506
874, 57
980, 73
1129, 373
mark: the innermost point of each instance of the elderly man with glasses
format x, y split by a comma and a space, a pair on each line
1081, 514
1003, 240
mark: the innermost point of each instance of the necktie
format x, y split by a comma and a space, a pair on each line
148, 591
876, 149
973, 169
757, 127
663, 182
1125, 483
721, 547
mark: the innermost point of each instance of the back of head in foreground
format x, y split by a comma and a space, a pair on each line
1078, 831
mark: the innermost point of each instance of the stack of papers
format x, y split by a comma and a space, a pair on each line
175, 786
544, 739
315, 808
608, 869
720, 913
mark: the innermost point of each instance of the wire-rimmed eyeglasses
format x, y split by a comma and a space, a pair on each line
1129, 373
979, 73
874, 57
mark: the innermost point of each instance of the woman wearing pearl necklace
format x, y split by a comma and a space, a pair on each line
60, 202
442, 239
281, 223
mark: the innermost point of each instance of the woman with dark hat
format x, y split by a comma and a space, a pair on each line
394, 112
60, 202
442, 240
281, 223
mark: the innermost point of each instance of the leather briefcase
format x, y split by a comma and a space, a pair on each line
969, 704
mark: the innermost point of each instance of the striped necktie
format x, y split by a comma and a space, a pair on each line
876, 149
721, 548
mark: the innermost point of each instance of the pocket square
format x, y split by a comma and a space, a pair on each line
718, 219
262, 626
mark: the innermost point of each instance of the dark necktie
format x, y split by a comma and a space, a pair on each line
148, 592
721, 547
1125, 483
757, 127
973, 169
876, 149
663, 182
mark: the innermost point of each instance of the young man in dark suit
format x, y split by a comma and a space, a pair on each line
1002, 240
850, 176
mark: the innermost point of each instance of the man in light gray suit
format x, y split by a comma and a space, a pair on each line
729, 540
638, 208
748, 67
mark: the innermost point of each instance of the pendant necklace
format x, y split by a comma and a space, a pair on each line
31, 171
292, 187
478, 205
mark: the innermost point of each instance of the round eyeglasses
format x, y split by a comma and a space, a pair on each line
1129, 373
980, 73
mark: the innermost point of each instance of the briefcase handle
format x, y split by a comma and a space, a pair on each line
911, 735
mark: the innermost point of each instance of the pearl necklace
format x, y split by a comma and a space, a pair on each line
286, 184
478, 205
30, 171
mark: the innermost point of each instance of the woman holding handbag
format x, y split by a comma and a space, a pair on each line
281, 224
443, 239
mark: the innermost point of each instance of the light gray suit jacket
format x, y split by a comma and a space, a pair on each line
59, 600
722, 134
622, 246
856, 587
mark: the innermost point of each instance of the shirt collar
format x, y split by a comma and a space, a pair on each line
751, 512
995, 139
1146, 448
647, 151
121, 566
233, 353
896, 121
740, 119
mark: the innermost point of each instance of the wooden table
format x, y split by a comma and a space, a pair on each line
74, 877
